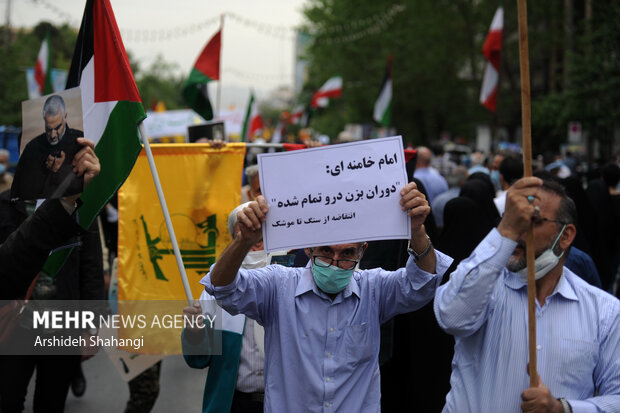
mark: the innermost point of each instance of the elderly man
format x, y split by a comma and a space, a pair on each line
434, 183
322, 321
235, 382
484, 305
45, 166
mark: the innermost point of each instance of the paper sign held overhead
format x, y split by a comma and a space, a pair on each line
334, 194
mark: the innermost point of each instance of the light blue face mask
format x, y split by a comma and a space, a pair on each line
331, 279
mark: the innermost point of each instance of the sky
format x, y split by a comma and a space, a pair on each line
257, 41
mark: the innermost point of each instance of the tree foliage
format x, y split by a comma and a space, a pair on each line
438, 67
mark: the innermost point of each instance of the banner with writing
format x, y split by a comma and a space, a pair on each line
201, 185
334, 194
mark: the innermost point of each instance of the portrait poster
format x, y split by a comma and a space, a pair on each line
50, 128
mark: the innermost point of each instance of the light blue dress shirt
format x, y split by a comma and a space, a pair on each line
577, 332
322, 355
434, 183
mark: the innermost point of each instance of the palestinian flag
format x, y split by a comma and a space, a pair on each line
331, 89
252, 122
43, 67
206, 69
383, 106
111, 107
492, 50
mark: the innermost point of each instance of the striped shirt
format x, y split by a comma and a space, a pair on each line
577, 331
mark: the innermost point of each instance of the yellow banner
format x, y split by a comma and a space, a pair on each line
201, 186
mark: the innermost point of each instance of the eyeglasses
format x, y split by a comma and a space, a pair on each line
49, 130
541, 220
322, 261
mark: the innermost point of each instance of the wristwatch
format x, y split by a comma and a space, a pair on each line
565, 405
417, 257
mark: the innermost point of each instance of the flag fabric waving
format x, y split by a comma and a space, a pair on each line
331, 89
42, 69
206, 69
297, 114
111, 108
252, 122
492, 49
383, 106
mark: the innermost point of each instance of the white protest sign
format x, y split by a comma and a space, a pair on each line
334, 194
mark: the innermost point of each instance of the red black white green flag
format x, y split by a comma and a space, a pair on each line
206, 69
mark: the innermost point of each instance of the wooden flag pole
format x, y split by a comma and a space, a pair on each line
527, 171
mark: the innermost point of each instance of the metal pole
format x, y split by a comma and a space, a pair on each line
164, 209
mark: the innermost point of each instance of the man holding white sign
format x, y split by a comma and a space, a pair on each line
322, 321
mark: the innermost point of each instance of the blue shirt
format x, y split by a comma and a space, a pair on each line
439, 204
577, 331
433, 182
322, 355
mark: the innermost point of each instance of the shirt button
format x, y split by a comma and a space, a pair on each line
538, 347
329, 354
331, 330
329, 379
326, 404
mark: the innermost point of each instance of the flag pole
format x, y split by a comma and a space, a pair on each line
527, 171
164, 209
219, 70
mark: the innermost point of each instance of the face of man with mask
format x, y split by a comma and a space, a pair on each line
333, 265
550, 239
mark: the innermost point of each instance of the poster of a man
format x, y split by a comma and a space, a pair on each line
45, 169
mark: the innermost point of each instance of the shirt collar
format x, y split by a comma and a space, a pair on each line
306, 283
564, 287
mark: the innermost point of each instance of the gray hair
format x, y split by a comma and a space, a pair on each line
54, 105
250, 172
232, 218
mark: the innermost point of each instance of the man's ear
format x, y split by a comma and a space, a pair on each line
568, 236
308, 253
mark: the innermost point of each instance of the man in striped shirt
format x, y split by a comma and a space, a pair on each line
484, 305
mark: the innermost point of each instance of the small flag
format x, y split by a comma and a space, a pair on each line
297, 114
206, 69
111, 108
383, 106
42, 69
331, 89
252, 122
492, 49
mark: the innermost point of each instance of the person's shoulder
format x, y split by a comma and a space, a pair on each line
590, 294
36, 141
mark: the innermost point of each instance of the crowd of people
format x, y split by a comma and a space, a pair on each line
434, 323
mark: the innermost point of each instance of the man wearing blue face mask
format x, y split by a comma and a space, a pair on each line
484, 305
322, 321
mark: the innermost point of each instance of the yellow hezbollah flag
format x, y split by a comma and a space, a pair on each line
201, 185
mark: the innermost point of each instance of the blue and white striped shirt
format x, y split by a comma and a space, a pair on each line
322, 355
577, 331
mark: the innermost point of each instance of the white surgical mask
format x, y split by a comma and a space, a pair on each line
545, 262
255, 259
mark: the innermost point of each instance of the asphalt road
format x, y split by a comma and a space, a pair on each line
181, 388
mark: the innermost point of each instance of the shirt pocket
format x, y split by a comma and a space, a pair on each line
358, 343
577, 360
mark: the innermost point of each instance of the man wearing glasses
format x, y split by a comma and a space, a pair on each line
322, 321
45, 167
484, 305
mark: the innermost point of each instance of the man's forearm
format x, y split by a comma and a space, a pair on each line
229, 262
419, 243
